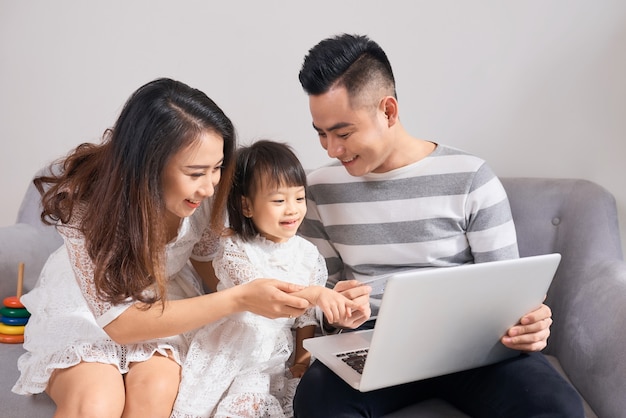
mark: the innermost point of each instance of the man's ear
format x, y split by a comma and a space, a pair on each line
389, 106
246, 206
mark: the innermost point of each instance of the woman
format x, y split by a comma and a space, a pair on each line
113, 304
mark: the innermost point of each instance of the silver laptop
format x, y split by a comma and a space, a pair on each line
437, 321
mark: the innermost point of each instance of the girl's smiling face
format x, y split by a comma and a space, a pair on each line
276, 212
191, 175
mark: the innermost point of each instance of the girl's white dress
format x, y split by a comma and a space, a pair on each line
67, 317
237, 367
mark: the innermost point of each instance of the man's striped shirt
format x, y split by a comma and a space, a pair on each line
447, 209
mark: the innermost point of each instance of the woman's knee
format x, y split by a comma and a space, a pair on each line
151, 387
93, 405
90, 390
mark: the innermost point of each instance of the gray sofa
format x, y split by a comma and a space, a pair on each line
576, 218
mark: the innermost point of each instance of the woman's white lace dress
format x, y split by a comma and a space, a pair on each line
67, 317
237, 367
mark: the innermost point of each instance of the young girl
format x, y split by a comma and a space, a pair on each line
237, 367
104, 338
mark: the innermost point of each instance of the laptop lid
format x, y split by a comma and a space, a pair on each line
441, 320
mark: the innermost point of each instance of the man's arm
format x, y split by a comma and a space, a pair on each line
491, 236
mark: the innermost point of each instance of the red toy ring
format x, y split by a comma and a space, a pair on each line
11, 339
12, 302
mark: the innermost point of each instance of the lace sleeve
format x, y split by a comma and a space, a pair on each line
319, 276
232, 265
83, 269
208, 245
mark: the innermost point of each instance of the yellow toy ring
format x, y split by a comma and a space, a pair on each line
12, 329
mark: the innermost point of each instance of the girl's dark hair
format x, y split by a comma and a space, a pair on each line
267, 163
353, 61
118, 186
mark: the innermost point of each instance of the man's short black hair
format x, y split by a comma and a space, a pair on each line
352, 61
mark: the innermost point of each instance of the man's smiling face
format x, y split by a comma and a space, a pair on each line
359, 138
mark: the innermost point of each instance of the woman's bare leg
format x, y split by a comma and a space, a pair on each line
151, 387
87, 390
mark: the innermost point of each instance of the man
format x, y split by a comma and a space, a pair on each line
391, 202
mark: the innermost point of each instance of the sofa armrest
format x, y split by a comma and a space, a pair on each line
595, 359
28, 244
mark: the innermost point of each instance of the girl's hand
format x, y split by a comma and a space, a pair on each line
298, 369
532, 332
360, 295
270, 298
336, 307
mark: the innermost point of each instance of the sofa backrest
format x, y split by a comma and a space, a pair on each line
574, 217
29, 240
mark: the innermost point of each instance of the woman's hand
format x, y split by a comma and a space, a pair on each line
532, 332
270, 298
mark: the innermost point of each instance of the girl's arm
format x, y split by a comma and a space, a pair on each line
302, 357
207, 273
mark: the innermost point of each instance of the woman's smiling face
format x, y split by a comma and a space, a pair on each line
191, 175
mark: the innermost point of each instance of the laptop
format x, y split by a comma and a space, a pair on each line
437, 321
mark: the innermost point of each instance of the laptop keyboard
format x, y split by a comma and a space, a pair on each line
354, 359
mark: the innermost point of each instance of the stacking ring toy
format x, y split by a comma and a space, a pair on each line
13, 315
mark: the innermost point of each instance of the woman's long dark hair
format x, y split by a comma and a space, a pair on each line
117, 186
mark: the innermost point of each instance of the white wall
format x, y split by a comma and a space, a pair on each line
536, 87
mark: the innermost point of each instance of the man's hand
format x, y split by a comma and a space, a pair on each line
532, 332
